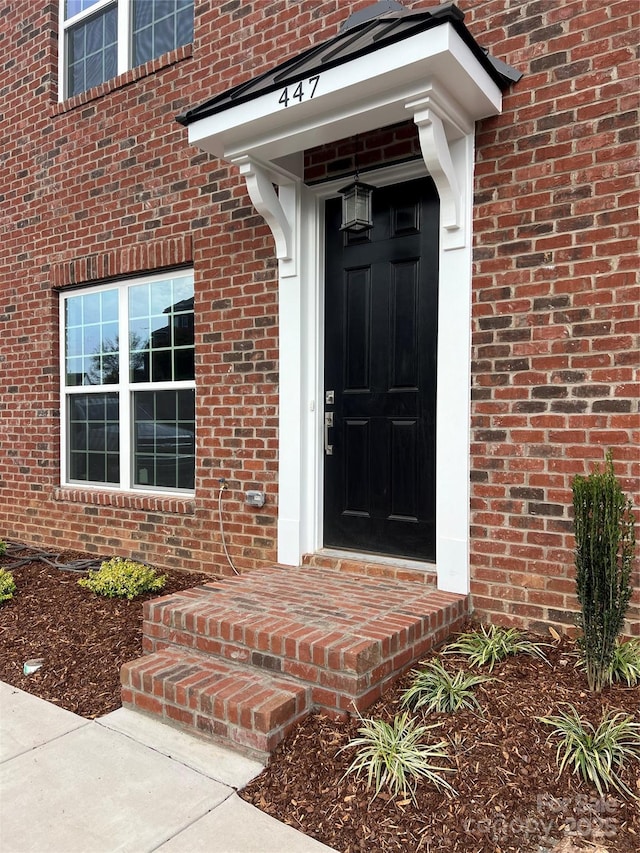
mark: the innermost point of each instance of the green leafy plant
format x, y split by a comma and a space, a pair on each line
605, 544
118, 578
595, 754
434, 689
493, 644
394, 756
7, 585
625, 662
3, 547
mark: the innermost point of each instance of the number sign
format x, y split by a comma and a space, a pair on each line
303, 91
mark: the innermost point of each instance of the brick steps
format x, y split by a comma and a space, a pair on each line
247, 708
316, 637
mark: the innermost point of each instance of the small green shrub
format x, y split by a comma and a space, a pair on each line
596, 754
605, 545
118, 578
3, 547
625, 663
7, 585
393, 756
434, 689
494, 644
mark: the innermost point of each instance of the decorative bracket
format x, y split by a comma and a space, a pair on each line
447, 162
278, 209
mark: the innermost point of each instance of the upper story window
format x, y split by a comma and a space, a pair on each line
128, 384
102, 38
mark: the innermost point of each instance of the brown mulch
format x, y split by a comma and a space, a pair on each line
509, 799
83, 638
504, 773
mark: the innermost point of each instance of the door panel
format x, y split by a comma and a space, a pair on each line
404, 354
357, 328
380, 361
357, 450
403, 447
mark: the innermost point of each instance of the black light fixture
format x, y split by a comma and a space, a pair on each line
356, 203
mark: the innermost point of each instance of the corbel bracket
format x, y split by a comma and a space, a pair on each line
279, 209
444, 135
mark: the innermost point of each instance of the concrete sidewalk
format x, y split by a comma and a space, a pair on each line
126, 783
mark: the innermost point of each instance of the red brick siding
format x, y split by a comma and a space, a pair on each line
395, 144
106, 184
555, 295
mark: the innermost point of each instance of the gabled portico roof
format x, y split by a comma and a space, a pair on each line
359, 80
387, 65
351, 43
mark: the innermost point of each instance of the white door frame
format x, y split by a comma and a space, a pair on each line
301, 467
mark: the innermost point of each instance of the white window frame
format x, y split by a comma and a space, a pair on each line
124, 388
124, 44
125, 47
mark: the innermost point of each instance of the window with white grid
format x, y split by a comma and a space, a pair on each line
102, 38
128, 384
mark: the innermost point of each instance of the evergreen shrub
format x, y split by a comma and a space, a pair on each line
605, 544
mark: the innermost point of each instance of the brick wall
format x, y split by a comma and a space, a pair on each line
555, 297
106, 184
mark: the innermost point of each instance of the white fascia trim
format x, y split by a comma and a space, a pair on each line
367, 92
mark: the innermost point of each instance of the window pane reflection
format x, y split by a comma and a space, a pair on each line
161, 331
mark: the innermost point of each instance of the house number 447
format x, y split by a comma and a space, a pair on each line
304, 91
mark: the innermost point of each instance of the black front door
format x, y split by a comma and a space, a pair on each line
381, 307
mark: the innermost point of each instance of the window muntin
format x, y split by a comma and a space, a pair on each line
161, 332
159, 27
91, 339
74, 7
164, 438
94, 438
102, 38
128, 385
92, 51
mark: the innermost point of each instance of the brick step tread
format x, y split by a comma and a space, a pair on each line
282, 619
386, 568
249, 708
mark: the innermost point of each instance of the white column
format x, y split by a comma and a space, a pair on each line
292, 407
454, 389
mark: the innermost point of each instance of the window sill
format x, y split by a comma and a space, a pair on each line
122, 80
127, 500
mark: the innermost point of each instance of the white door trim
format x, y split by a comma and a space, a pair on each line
302, 388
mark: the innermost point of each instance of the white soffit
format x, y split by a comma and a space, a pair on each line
362, 94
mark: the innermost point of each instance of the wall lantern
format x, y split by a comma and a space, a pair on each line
356, 207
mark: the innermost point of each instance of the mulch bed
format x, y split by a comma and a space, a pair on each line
83, 638
509, 797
